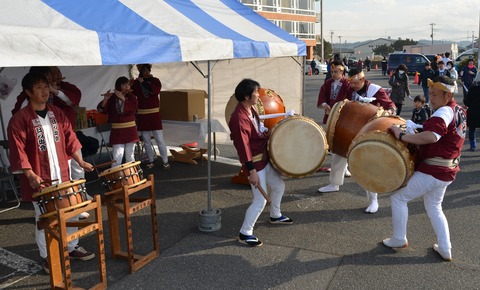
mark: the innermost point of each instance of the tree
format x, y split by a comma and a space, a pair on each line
400, 43
317, 50
383, 50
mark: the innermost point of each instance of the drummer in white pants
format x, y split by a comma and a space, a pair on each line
364, 91
338, 172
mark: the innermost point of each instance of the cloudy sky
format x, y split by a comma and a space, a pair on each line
359, 20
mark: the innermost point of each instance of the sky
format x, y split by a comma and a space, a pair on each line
360, 20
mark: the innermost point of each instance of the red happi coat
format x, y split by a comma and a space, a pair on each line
70, 90
147, 96
326, 94
121, 135
28, 148
246, 139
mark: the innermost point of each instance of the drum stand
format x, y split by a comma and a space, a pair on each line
57, 242
187, 155
120, 201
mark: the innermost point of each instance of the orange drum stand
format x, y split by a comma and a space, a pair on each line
121, 201
57, 239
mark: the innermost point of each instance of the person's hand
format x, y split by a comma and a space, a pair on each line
395, 130
107, 95
120, 95
86, 166
327, 108
53, 88
34, 180
140, 79
253, 178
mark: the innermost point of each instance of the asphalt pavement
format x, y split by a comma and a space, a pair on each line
332, 243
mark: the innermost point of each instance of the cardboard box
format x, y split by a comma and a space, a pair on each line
181, 105
81, 118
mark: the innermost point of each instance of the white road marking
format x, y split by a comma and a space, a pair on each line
20, 265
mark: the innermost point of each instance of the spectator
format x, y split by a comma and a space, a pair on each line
467, 75
425, 74
420, 114
400, 87
472, 101
368, 63
384, 66
441, 71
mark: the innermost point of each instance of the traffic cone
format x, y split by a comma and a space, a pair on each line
310, 72
416, 79
391, 73
376, 66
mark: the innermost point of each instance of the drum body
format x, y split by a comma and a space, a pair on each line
269, 103
344, 122
125, 174
377, 160
65, 195
297, 146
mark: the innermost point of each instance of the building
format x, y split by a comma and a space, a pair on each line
365, 49
434, 49
297, 17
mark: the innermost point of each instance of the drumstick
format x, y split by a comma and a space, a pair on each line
270, 116
264, 193
48, 181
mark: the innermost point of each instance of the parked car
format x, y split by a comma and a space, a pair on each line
415, 62
319, 67
471, 53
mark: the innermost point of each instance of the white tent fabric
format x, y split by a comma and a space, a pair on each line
112, 32
82, 37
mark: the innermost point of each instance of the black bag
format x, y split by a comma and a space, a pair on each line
90, 145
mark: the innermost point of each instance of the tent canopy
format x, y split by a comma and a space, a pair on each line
112, 32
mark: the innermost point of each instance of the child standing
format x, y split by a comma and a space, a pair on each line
420, 112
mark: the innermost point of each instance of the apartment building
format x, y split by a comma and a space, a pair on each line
297, 17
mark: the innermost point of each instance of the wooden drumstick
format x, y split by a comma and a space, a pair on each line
264, 193
48, 181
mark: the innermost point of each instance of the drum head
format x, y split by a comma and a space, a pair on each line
297, 146
58, 187
377, 164
119, 168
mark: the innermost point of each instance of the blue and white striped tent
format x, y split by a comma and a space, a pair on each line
112, 32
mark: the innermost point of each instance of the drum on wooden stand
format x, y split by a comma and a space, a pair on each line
345, 120
297, 146
69, 194
377, 160
124, 174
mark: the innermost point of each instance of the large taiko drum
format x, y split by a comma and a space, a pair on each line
69, 194
124, 174
345, 120
297, 146
270, 103
377, 160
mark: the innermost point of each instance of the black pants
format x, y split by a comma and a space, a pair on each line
399, 108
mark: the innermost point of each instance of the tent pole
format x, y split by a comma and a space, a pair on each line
209, 219
209, 130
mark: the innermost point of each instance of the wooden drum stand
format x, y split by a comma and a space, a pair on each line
120, 201
56, 237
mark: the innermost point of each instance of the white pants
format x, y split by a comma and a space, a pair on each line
76, 172
158, 135
337, 174
433, 191
268, 177
40, 234
120, 149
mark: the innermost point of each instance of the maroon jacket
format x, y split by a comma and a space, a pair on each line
246, 139
326, 94
147, 95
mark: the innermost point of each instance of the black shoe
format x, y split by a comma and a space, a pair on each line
45, 266
283, 220
252, 241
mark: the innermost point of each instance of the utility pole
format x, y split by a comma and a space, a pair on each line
321, 30
331, 40
431, 35
340, 47
473, 39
